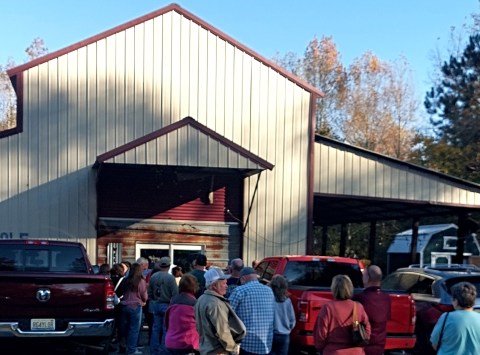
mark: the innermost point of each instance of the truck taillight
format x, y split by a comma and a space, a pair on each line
303, 312
37, 242
109, 295
413, 312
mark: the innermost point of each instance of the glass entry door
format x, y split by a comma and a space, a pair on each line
180, 254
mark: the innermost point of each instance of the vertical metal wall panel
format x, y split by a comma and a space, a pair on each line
268, 181
138, 92
202, 88
380, 181
356, 167
53, 149
166, 69
409, 192
340, 171
331, 170
129, 84
110, 94
184, 61
72, 147
348, 186
387, 181
176, 55
33, 163
148, 82
193, 70
372, 178
91, 109
285, 241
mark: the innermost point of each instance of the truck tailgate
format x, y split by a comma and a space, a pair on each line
41, 295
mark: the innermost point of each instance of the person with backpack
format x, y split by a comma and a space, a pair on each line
161, 288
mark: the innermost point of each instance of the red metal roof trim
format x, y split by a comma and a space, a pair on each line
174, 126
186, 14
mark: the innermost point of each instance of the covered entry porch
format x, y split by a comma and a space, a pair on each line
146, 195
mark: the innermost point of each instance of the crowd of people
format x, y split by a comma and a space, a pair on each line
208, 311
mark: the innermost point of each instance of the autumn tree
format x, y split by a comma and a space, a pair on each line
321, 67
36, 49
371, 104
8, 109
379, 106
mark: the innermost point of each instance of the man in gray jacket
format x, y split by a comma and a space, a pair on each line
218, 326
161, 288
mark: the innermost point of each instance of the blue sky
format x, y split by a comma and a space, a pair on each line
388, 28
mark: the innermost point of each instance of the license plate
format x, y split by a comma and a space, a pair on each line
42, 324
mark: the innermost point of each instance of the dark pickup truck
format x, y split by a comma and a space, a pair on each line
49, 291
309, 279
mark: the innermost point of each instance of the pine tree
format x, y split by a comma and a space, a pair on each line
454, 106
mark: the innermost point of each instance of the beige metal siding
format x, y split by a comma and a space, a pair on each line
129, 84
382, 178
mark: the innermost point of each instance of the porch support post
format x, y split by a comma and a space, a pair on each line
461, 235
324, 240
371, 241
413, 246
343, 239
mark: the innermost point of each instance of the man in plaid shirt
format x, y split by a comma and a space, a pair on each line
254, 304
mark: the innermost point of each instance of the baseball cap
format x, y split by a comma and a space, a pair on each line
247, 271
214, 274
164, 261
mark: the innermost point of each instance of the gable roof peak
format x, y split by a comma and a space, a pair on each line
172, 7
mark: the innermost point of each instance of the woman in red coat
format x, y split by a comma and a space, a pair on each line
333, 328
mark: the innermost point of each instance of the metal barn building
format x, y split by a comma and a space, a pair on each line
165, 136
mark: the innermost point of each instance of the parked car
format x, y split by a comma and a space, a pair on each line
430, 288
309, 280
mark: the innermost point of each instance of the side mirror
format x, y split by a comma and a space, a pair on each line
96, 269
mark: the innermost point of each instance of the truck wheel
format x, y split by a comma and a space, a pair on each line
101, 347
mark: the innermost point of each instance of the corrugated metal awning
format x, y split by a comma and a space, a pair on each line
186, 143
354, 185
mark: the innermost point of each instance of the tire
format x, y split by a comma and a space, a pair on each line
100, 347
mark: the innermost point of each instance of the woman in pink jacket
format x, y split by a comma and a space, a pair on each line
333, 328
182, 335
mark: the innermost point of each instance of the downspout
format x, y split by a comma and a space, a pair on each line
250, 206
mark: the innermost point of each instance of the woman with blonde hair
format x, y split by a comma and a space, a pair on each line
333, 328
284, 319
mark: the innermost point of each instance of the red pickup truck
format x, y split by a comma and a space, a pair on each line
309, 279
49, 292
